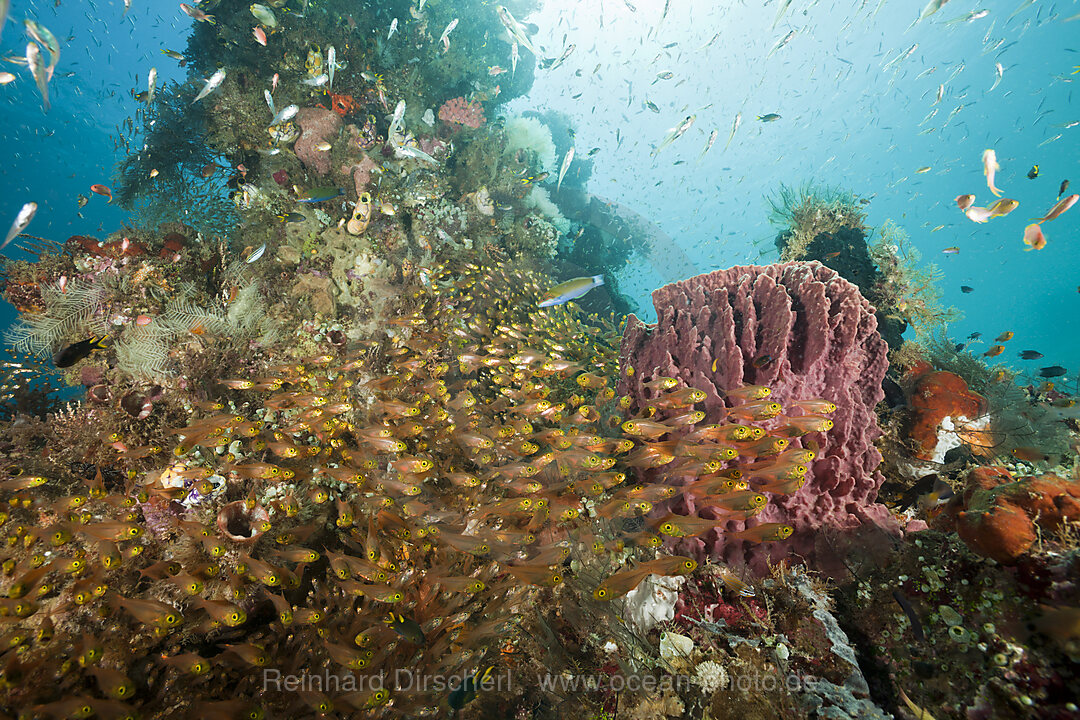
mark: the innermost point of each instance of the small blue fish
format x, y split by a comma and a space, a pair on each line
570, 290
319, 194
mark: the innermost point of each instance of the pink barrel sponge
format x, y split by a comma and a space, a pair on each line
806, 333
456, 110
317, 125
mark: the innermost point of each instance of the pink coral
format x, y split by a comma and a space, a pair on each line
805, 332
456, 110
361, 172
317, 125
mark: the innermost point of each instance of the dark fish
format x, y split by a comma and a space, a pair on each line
291, 217
1033, 172
966, 289
406, 628
464, 693
975, 336
1052, 371
762, 361
1031, 355
1063, 188
959, 347
68, 356
916, 625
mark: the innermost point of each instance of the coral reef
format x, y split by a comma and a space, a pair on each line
458, 111
807, 334
317, 126
1002, 518
944, 413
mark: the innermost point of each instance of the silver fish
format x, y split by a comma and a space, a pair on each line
675, 133
562, 58
331, 63
407, 151
734, 127
264, 15
567, 159
317, 81
284, 114
393, 28
514, 57
211, 85
151, 85
37, 69
395, 122
709, 144
26, 214
48, 41
445, 37
999, 72
269, 101
516, 29
780, 43
5, 5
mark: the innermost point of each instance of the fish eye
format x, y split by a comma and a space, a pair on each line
601, 593
556, 579
234, 617
667, 528
171, 619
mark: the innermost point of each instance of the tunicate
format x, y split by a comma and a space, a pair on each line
958, 633
949, 616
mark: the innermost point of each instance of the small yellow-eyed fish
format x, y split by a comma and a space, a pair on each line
26, 214
570, 290
211, 85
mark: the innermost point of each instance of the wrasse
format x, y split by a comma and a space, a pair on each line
1059, 207
570, 290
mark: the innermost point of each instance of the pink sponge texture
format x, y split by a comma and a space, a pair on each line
806, 333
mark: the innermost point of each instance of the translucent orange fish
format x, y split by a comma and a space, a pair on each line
766, 532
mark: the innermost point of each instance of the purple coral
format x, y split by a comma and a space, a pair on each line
806, 333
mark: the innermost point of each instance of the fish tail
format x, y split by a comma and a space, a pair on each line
598, 279
99, 343
210, 19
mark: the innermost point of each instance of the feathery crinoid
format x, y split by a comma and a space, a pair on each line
69, 312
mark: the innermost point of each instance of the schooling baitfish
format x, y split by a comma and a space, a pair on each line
570, 290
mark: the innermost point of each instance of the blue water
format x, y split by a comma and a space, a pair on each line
849, 119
